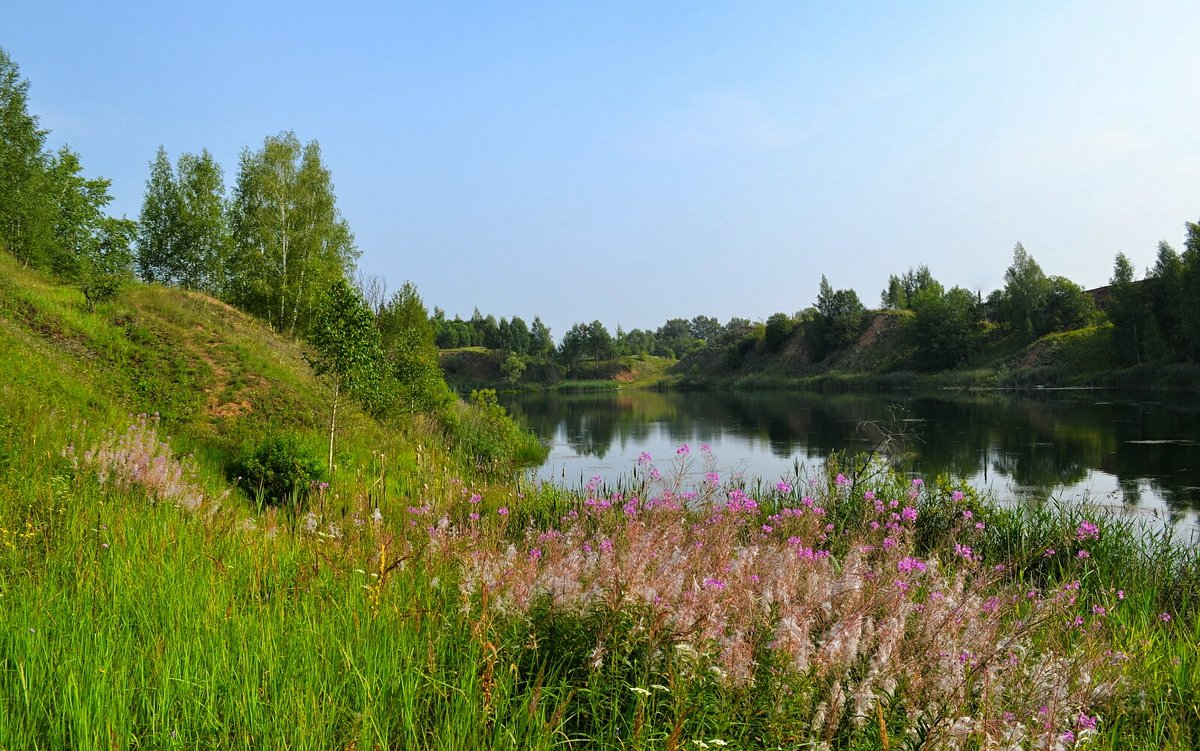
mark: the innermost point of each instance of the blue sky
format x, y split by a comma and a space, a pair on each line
632, 162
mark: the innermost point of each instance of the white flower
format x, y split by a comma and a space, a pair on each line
639, 690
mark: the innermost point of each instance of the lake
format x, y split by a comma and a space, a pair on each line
1141, 454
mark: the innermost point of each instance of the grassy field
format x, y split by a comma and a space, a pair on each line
416, 603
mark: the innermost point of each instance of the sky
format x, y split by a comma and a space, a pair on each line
634, 162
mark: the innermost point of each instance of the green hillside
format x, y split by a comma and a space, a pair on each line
887, 354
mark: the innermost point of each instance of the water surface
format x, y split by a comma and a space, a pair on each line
1140, 454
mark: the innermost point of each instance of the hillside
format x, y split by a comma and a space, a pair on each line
886, 353
215, 376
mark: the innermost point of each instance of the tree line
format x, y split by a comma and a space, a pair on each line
1154, 320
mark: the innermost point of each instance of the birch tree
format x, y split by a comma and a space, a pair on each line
289, 239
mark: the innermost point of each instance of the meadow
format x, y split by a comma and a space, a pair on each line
148, 608
418, 598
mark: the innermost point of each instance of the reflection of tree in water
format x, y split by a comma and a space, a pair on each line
1038, 441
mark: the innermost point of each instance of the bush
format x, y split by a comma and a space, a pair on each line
483, 434
280, 471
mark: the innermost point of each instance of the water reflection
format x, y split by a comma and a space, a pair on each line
1143, 454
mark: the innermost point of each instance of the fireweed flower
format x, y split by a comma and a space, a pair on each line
783, 488
683, 450
644, 459
1087, 531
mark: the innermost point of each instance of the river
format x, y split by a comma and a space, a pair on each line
1138, 453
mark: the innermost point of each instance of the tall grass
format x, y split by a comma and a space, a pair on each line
444, 613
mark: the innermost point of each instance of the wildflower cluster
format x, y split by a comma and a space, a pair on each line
971, 655
138, 459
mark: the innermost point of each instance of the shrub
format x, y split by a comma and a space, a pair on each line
486, 437
280, 471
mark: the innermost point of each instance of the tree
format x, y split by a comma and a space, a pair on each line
101, 273
512, 368
599, 341
779, 327
1125, 310
157, 224
705, 328
894, 297
947, 326
901, 290
290, 241
574, 344
27, 205
349, 352
1026, 289
203, 237
410, 348
1191, 291
1166, 284
519, 337
839, 318
541, 344
1066, 306
675, 338
91, 249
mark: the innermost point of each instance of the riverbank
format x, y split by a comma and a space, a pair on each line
885, 357
468, 368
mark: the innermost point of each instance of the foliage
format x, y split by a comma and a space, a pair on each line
947, 326
777, 331
586, 340
1018, 304
184, 236
512, 368
27, 203
349, 353
1124, 310
52, 216
290, 241
838, 321
282, 471
482, 433
902, 290
407, 337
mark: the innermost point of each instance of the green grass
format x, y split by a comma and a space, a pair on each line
131, 623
